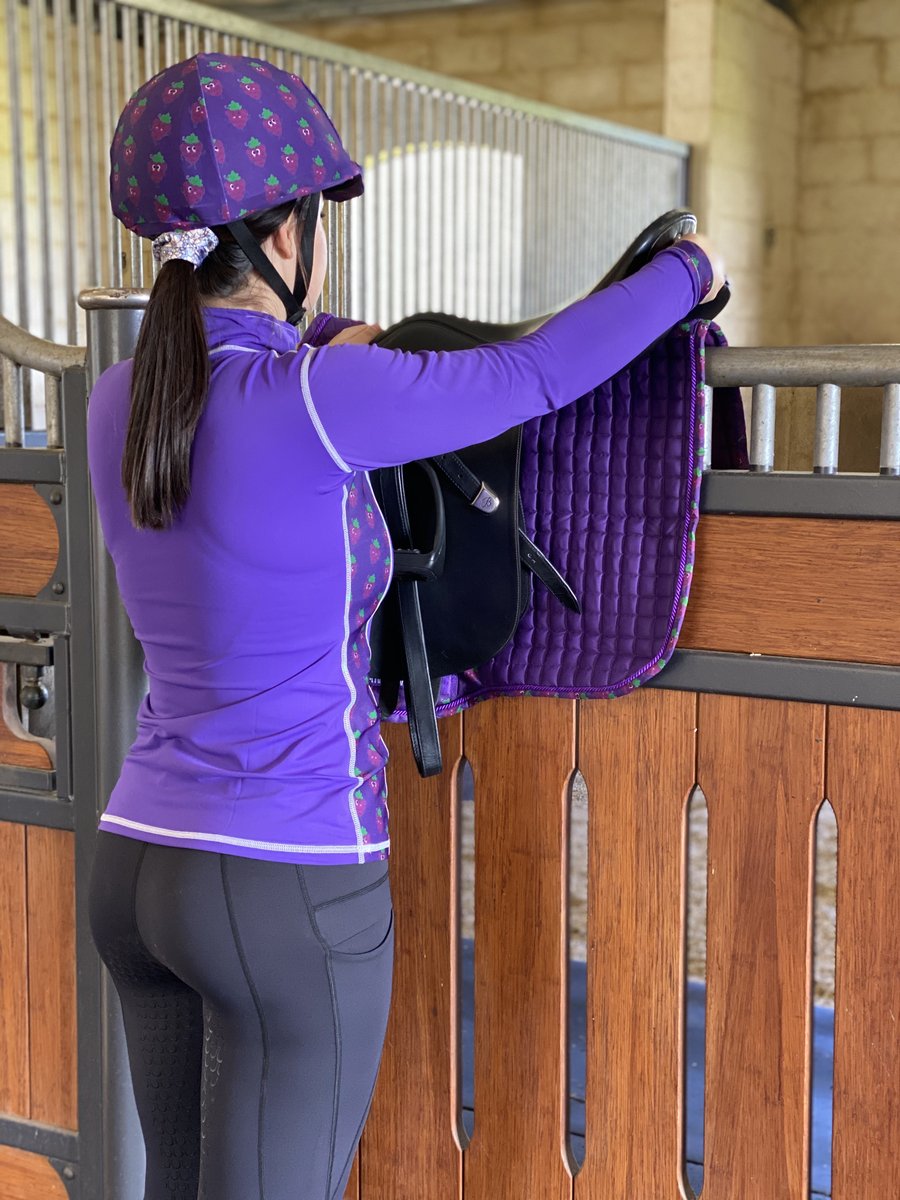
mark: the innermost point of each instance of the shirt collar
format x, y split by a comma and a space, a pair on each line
247, 327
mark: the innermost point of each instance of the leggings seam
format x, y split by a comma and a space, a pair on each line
359, 1128
357, 892
134, 888
259, 1012
336, 1021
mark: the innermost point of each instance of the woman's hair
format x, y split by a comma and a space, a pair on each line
170, 374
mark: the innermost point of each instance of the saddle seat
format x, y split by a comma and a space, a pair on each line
462, 558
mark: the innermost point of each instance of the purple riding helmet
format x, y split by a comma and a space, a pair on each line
214, 139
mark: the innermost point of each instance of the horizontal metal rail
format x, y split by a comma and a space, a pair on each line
259, 32
828, 369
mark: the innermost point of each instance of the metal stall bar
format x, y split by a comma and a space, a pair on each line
890, 430
116, 672
824, 491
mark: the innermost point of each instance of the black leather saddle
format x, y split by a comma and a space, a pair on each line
462, 561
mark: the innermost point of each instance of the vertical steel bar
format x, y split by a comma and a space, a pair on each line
464, 233
130, 82
109, 55
762, 428
88, 168
190, 41
372, 297
210, 40
478, 216
19, 213
46, 273
400, 198
51, 404
441, 201
66, 141
428, 261
170, 35
890, 430
13, 403
385, 279
417, 186
452, 204
495, 244
151, 44
828, 429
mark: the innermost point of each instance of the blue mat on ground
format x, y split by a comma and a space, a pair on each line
34, 440
823, 1058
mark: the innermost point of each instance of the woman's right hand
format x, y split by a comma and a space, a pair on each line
356, 335
716, 260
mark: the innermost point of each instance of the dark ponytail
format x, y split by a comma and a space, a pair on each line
170, 374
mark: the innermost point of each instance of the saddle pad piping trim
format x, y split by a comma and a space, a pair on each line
351, 686
699, 329
284, 847
313, 414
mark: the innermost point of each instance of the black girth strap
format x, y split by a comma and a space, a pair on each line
412, 568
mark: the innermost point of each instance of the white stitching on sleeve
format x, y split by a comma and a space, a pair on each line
313, 414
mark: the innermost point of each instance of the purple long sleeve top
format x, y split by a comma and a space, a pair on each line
258, 735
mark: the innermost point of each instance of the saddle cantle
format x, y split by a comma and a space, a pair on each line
463, 560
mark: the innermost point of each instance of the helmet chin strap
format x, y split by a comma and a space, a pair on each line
292, 299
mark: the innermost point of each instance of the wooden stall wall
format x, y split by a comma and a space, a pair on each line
765, 767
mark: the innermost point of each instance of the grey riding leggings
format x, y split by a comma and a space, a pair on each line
255, 998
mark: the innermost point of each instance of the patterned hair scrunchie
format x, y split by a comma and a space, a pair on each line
191, 245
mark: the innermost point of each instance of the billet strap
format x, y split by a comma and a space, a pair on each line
540, 565
478, 493
475, 490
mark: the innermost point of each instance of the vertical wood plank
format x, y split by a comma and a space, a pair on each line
14, 1056
51, 976
522, 754
637, 755
409, 1149
352, 1191
761, 766
863, 789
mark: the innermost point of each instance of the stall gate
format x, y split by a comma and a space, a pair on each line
785, 692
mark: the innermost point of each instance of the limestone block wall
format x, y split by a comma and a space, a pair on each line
850, 171
733, 76
602, 57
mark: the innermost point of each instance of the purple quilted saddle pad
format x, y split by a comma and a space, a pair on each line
611, 493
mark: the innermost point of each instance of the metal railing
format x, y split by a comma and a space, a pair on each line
477, 202
828, 369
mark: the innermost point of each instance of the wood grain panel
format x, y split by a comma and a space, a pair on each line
796, 587
761, 767
15, 751
51, 975
14, 1056
863, 789
638, 759
409, 1149
25, 1176
522, 756
29, 543
352, 1192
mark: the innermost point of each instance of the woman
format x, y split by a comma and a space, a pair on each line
240, 894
